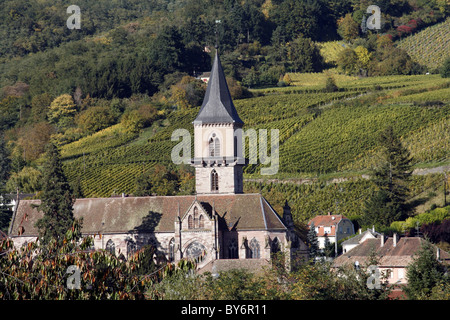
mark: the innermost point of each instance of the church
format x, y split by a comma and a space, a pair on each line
220, 226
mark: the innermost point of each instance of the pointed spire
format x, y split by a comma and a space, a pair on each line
217, 105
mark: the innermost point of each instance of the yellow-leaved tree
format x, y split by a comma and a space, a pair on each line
62, 111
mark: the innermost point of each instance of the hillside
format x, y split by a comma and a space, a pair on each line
429, 47
321, 135
112, 94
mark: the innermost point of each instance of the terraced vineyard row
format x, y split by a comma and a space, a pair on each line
430, 46
319, 132
342, 134
347, 197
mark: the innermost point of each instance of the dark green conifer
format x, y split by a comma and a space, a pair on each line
56, 200
388, 203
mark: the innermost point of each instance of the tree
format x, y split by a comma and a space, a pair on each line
5, 212
347, 61
33, 139
27, 180
159, 180
304, 55
313, 242
363, 58
56, 200
95, 119
348, 28
391, 177
424, 273
132, 121
445, 69
38, 271
62, 111
330, 85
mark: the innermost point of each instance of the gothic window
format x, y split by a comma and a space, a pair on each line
111, 247
232, 250
190, 222
214, 181
201, 222
195, 250
195, 217
214, 146
131, 247
275, 247
172, 250
254, 249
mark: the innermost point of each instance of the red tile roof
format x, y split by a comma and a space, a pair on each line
330, 220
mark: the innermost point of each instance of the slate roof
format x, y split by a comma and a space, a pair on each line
217, 105
155, 214
399, 256
356, 239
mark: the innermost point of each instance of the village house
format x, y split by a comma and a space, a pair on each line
349, 244
220, 226
332, 227
394, 254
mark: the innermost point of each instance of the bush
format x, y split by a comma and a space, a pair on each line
445, 69
95, 119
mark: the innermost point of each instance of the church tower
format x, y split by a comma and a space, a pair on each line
218, 159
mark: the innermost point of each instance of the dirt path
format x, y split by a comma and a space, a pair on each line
420, 172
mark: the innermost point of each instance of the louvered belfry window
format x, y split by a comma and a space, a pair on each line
214, 181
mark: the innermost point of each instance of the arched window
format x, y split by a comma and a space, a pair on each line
201, 221
214, 146
275, 247
111, 247
214, 181
131, 247
232, 250
190, 222
195, 217
172, 250
254, 249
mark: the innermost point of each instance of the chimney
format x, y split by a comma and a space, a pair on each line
382, 240
395, 240
438, 254
359, 230
373, 228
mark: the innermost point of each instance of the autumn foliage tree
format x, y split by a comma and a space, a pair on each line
50, 271
62, 111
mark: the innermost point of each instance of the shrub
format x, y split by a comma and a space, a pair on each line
445, 69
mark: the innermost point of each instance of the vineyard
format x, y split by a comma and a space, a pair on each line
346, 197
320, 133
430, 46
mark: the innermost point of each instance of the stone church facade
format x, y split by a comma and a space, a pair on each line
219, 226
